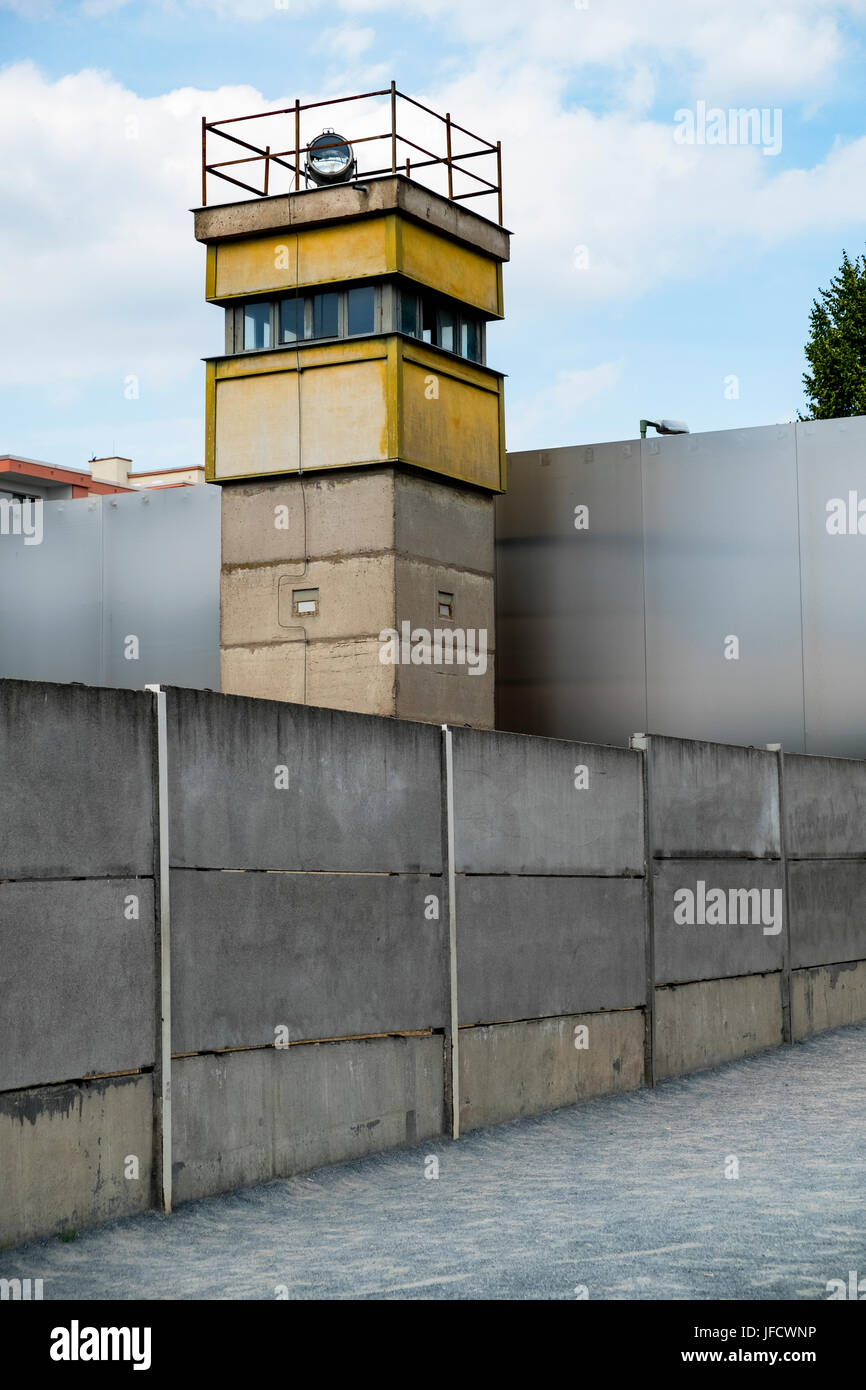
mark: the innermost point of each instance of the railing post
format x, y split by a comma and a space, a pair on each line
448, 153
204, 161
393, 127
267, 168
499, 176
297, 142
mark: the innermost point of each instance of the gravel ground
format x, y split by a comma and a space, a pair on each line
625, 1196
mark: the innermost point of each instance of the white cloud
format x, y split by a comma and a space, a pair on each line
347, 43
101, 278
773, 49
99, 272
95, 9
788, 48
97, 239
530, 418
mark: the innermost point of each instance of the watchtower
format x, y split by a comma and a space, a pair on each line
353, 421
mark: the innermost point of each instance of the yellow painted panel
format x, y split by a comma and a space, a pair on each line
451, 426
256, 425
355, 408
347, 252
309, 355
433, 361
344, 414
285, 261
452, 269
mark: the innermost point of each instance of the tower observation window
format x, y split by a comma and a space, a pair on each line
291, 320
353, 312
257, 326
361, 309
441, 325
326, 315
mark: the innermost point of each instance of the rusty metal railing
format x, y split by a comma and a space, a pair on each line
452, 164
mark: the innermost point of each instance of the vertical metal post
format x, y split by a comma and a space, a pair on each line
163, 1107
267, 167
448, 153
641, 744
787, 1020
499, 177
204, 161
297, 142
393, 127
454, 1018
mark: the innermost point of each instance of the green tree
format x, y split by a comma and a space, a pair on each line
836, 350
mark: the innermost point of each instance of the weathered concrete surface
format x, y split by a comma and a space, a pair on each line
247, 1117
417, 585
827, 996
363, 793
64, 1151
828, 911
288, 520
713, 799
537, 947
701, 1025
626, 1195
445, 694
356, 600
510, 1070
333, 675
450, 525
708, 951
824, 807
378, 546
323, 955
518, 810
322, 205
75, 768
76, 980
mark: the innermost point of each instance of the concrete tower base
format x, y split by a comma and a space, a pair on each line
379, 547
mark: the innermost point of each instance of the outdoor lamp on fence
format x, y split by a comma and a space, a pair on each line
330, 159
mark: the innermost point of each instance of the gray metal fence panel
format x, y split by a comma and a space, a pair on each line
720, 529
569, 598
51, 607
831, 461
143, 566
161, 568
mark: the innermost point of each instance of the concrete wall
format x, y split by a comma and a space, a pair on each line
310, 874
718, 902
826, 847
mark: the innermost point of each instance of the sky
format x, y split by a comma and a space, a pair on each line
658, 267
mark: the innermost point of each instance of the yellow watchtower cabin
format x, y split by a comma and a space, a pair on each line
353, 422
